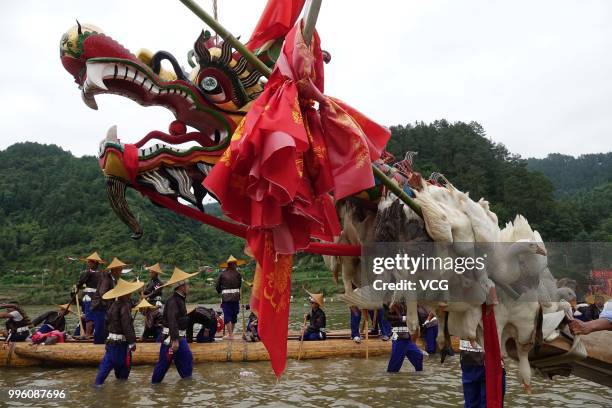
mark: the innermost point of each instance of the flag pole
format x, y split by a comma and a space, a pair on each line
311, 14
227, 36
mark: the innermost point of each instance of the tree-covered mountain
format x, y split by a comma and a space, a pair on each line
474, 163
53, 205
572, 175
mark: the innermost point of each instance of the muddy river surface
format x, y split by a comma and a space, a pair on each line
311, 383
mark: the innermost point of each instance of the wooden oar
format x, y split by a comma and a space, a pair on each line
243, 318
302, 338
78, 305
367, 334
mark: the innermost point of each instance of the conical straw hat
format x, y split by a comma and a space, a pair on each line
178, 276
65, 307
122, 288
315, 297
144, 305
96, 258
591, 298
232, 259
116, 263
155, 268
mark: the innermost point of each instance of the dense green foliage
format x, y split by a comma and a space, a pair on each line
571, 175
474, 163
53, 205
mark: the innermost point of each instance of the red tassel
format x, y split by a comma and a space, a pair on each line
492, 357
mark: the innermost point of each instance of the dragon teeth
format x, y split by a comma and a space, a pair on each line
95, 76
89, 100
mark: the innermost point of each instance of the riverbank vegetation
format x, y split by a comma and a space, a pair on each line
53, 207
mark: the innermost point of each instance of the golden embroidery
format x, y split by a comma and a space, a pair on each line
226, 157
239, 130
296, 112
320, 152
299, 165
277, 283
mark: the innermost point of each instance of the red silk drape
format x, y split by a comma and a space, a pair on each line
284, 161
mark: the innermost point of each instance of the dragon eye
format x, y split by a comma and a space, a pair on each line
209, 83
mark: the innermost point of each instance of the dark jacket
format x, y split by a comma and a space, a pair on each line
592, 312
204, 316
317, 320
12, 325
53, 318
153, 318
471, 358
175, 315
153, 290
106, 283
396, 319
229, 280
119, 320
89, 278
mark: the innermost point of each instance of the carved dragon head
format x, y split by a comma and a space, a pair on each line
211, 100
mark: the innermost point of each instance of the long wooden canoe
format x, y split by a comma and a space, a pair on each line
87, 354
590, 358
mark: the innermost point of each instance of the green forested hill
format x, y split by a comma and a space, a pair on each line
474, 163
571, 174
53, 205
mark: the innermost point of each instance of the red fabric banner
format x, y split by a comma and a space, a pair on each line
284, 161
275, 22
270, 299
492, 357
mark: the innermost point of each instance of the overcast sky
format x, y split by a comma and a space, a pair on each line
536, 74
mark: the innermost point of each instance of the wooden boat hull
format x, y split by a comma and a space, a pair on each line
591, 361
87, 354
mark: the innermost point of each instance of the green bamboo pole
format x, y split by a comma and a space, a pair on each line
312, 13
227, 36
395, 189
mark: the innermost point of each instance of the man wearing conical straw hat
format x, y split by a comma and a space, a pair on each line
152, 320
99, 304
174, 346
121, 340
316, 317
88, 282
153, 290
228, 285
52, 320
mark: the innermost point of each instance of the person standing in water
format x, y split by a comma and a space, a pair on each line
228, 285
121, 340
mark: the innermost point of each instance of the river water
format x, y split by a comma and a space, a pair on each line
310, 383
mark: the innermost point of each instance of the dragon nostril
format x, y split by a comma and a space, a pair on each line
177, 128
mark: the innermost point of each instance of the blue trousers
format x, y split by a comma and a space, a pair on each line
474, 386
430, 334
183, 359
202, 337
355, 320
381, 323
86, 308
45, 328
117, 358
98, 317
313, 336
400, 349
230, 311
